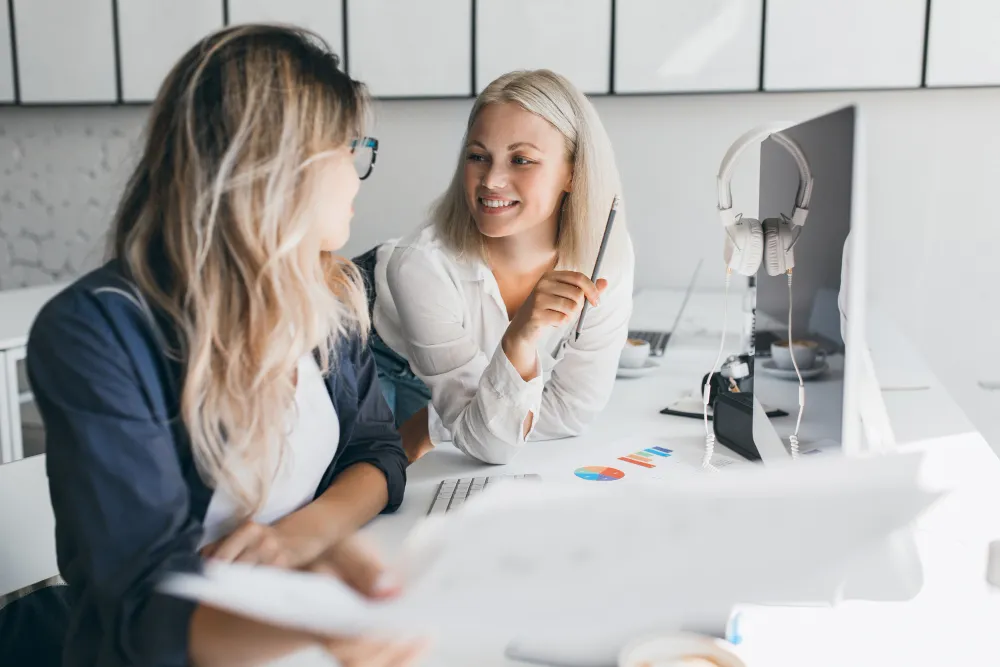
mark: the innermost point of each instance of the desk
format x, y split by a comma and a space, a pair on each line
18, 309
955, 603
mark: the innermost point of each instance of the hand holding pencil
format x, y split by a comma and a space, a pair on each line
558, 298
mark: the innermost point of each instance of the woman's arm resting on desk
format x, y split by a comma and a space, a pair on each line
369, 478
555, 301
298, 539
482, 401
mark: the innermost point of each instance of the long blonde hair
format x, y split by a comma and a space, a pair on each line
211, 229
595, 176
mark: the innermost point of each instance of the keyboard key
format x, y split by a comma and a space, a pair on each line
452, 493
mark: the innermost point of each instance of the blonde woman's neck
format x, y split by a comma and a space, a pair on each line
530, 251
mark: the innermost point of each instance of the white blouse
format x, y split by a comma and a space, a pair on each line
312, 443
446, 317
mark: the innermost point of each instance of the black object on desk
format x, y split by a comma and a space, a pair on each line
733, 423
721, 387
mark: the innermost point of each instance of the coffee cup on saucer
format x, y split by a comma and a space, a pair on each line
807, 354
679, 649
634, 353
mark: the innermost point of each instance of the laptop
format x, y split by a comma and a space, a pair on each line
658, 339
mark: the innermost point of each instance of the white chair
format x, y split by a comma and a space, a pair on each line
27, 526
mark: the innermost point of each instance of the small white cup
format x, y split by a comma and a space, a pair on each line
679, 649
634, 353
806, 353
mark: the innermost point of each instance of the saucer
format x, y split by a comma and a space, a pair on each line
637, 372
768, 367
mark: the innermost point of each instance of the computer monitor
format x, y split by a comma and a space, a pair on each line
844, 411
828, 297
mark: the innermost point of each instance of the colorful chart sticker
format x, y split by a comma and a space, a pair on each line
599, 474
646, 457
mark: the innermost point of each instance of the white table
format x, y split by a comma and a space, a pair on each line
955, 604
18, 309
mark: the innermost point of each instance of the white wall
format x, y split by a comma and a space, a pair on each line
934, 166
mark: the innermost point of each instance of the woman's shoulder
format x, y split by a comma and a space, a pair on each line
84, 296
424, 240
424, 253
103, 306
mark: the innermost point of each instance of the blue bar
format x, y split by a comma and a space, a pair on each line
664, 450
651, 450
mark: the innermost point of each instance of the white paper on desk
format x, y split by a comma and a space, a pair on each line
578, 562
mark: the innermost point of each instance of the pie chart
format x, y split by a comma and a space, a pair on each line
599, 474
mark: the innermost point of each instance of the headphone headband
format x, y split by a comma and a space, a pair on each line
756, 135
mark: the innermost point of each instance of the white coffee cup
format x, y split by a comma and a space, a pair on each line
634, 353
679, 649
806, 354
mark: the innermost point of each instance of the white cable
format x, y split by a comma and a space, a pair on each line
793, 439
706, 461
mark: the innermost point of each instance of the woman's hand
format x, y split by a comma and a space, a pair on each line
261, 544
558, 297
222, 638
357, 565
375, 652
297, 539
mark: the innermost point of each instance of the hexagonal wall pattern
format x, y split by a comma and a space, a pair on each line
62, 171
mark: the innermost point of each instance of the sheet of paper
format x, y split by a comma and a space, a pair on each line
646, 458
604, 562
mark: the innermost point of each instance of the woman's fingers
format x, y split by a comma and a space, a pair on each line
365, 652
251, 543
268, 550
354, 652
359, 567
232, 547
579, 281
559, 304
565, 290
403, 654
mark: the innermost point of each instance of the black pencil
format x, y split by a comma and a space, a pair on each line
597, 264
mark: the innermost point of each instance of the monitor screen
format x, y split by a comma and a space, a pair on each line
828, 143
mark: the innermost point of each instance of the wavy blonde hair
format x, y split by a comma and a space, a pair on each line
595, 175
214, 229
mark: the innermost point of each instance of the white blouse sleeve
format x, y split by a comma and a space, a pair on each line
582, 379
482, 401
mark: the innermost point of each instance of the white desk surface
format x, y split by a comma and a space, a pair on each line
18, 309
954, 616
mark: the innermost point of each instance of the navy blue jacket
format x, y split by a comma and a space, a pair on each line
128, 499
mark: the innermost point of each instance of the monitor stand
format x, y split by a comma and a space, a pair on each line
765, 437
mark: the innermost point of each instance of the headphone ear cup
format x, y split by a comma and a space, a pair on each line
778, 237
744, 246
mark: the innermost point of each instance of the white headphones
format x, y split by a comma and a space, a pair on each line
748, 241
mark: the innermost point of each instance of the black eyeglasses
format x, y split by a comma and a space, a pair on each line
365, 150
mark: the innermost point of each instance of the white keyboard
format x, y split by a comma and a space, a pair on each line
452, 493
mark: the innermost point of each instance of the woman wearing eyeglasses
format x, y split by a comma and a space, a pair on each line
475, 313
208, 392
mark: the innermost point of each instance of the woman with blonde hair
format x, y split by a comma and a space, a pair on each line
208, 392
475, 313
